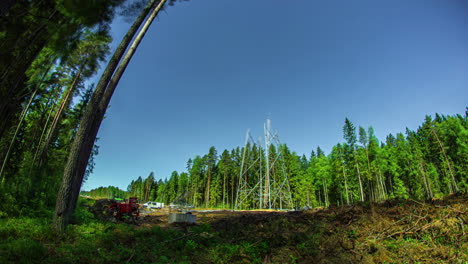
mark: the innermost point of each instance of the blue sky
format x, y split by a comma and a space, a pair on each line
208, 70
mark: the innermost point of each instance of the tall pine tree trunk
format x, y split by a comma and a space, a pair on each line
454, 182
207, 192
344, 176
224, 189
22, 116
44, 129
346, 184
58, 116
360, 181
426, 181
233, 179
85, 137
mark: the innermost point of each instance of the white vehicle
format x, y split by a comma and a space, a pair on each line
153, 205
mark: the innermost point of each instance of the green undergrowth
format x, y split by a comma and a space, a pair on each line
398, 232
27, 240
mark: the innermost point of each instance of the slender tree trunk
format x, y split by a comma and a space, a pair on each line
379, 187
384, 185
147, 192
391, 184
320, 198
89, 125
224, 189
7, 155
360, 181
58, 116
426, 181
232, 192
346, 184
446, 158
44, 129
23, 115
193, 190
372, 188
345, 178
325, 193
236, 205
207, 192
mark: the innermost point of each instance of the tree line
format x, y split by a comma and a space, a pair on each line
428, 163
110, 192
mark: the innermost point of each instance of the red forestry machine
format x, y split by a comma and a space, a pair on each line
121, 209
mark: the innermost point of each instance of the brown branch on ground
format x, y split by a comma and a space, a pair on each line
427, 226
453, 209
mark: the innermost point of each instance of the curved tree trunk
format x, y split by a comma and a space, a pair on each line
84, 140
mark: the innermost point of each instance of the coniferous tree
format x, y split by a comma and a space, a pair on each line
349, 132
210, 161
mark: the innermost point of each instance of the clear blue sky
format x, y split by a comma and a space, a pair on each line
209, 69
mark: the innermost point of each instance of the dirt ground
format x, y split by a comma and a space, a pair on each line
389, 212
411, 231
408, 231
160, 217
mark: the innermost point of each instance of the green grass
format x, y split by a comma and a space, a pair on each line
326, 237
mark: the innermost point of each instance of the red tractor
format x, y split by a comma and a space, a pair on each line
122, 209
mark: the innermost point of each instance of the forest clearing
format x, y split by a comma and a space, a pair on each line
185, 79
391, 232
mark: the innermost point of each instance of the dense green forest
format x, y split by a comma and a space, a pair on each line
49, 50
430, 162
50, 112
109, 192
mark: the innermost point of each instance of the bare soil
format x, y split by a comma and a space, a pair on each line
392, 232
